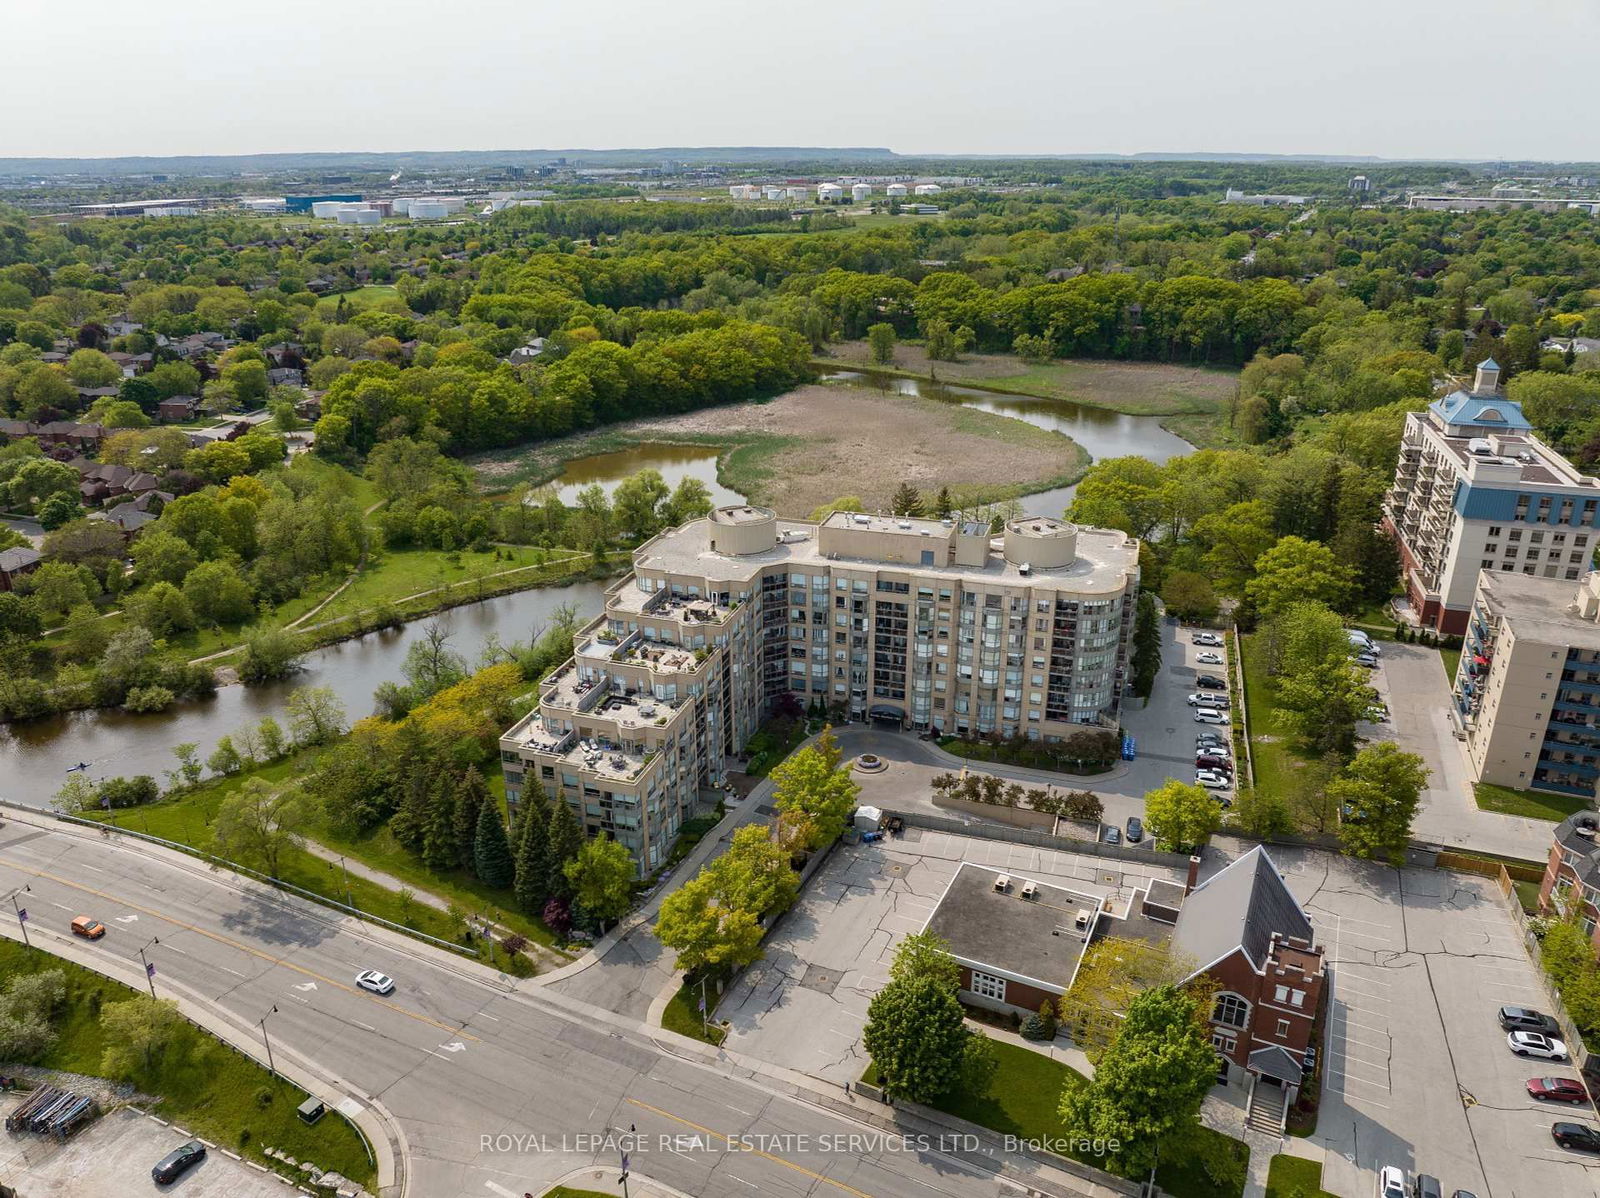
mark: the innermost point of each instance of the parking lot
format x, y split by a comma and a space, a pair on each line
114, 1155
804, 1004
1164, 730
1418, 1073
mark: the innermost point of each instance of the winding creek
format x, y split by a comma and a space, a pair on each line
35, 756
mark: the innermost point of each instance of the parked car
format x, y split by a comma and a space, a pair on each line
1212, 779
1214, 745
1112, 835
1203, 739
1534, 1044
1526, 1019
178, 1162
1135, 829
1207, 638
1368, 660
1213, 763
1199, 699
1557, 1089
1210, 659
378, 983
1376, 714
1425, 1185
1209, 715
1391, 1182
1579, 1137
1210, 682
89, 929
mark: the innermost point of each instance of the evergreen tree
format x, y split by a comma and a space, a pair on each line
470, 796
566, 838
943, 504
533, 843
491, 852
439, 849
907, 501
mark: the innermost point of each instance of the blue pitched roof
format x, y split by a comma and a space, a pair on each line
1485, 411
1489, 364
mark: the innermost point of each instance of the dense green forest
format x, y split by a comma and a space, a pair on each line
420, 343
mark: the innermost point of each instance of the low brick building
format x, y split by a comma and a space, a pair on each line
1019, 941
1572, 875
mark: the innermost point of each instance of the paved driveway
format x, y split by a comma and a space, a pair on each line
1413, 683
804, 1004
1417, 1072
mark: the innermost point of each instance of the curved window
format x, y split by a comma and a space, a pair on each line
1231, 1010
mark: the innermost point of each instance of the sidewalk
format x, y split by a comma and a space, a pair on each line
542, 955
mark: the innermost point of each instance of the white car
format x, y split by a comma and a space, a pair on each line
1211, 779
1206, 699
1209, 659
1207, 715
378, 983
1391, 1182
1532, 1044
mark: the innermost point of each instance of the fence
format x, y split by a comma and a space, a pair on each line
1042, 840
256, 875
1243, 704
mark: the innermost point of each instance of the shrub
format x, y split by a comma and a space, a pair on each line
1041, 1025
148, 698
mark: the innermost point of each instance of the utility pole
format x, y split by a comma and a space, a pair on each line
267, 1040
22, 913
149, 969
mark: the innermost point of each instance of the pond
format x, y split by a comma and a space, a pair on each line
35, 755
675, 462
1104, 433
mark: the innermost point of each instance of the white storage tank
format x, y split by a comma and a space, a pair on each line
428, 210
895, 191
860, 193
928, 189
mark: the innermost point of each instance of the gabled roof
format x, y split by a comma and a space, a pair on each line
1277, 1061
1486, 411
1240, 907
19, 558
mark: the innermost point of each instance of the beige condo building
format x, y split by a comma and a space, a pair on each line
1527, 691
923, 623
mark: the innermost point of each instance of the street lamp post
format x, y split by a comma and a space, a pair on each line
149, 969
272, 1068
22, 912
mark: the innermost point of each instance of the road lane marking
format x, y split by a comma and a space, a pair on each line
777, 1160
240, 945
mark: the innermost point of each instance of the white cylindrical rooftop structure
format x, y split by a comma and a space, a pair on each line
743, 529
1041, 542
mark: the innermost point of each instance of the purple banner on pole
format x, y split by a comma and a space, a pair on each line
149, 969
22, 915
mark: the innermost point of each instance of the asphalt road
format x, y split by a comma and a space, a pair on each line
493, 1088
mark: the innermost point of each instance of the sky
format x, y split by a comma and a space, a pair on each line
1472, 79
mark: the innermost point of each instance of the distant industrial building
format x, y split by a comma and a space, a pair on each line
1455, 203
745, 191
186, 207
829, 193
1234, 196
262, 203
927, 189
304, 204
1360, 184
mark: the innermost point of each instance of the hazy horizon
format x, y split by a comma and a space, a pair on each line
1426, 81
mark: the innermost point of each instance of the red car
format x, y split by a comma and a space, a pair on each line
1557, 1089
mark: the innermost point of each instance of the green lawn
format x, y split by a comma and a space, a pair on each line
1532, 804
186, 819
205, 1087
1451, 659
1276, 762
360, 299
1527, 895
683, 1016
1023, 1102
1295, 1177
568, 1192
